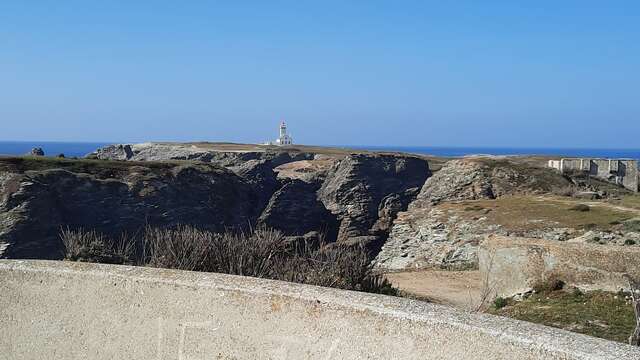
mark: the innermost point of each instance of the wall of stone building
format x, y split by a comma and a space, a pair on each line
63, 310
631, 179
515, 265
620, 171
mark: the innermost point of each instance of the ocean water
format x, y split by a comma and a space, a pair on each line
79, 149
51, 148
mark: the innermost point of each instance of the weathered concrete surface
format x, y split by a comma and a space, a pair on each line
61, 310
514, 265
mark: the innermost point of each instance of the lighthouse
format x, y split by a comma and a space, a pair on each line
284, 138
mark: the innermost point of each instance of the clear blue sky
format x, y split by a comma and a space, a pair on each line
432, 73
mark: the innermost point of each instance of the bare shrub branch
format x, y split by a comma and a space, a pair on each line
634, 287
261, 252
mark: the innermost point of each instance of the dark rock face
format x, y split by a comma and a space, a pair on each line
260, 175
360, 188
296, 210
40, 203
353, 200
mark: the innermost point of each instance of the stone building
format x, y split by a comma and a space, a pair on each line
623, 172
284, 138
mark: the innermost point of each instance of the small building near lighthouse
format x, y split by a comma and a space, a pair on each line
284, 138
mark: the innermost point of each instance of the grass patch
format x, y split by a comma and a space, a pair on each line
628, 200
518, 213
600, 314
475, 207
102, 169
632, 225
580, 207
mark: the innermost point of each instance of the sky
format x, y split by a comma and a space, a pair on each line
399, 73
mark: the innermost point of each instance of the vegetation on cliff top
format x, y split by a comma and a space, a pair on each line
101, 168
263, 253
597, 313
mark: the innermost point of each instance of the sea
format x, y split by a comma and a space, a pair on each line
80, 149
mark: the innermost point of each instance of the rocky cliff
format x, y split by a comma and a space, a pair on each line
111, 198
171, 151
469, 199
350, 199
428, 235
366, 192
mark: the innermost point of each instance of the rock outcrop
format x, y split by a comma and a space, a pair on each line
361, 188
427, 236
170, 151
487, 178
37, 204
114, 152
36, 151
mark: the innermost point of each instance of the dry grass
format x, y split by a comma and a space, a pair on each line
262, 252
101, 169
630, 201
91, 246
518, 213
569, 190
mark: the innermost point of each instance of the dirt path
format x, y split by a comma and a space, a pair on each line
461, 289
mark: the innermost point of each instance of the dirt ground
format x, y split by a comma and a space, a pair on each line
460, 289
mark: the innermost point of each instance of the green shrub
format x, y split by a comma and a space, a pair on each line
500, 302
549, 285
629, 242
580, 207
632, 225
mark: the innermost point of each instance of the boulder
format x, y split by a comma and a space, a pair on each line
114, 152
36, 151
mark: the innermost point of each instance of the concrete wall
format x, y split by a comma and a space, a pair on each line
515, 265
61, 310
620, 171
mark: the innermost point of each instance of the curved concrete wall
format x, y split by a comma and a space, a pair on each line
61, 310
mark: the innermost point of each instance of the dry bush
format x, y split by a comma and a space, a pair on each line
184, 248
549, 285
487, 289
332, 265
262, 252
91, 246
634, 287
257, 253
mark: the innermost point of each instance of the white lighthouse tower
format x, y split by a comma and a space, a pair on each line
284, 138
